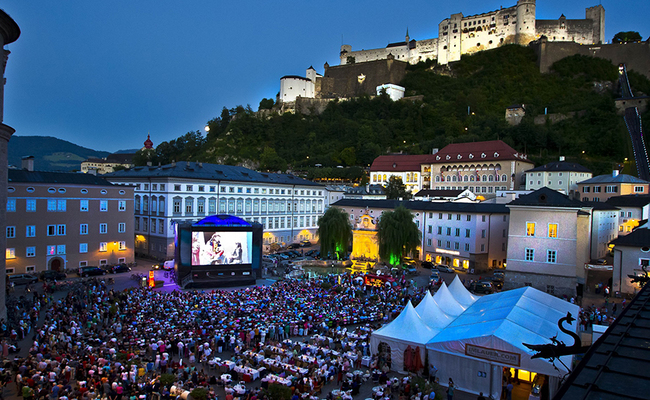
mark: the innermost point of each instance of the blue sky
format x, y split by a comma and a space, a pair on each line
103, 74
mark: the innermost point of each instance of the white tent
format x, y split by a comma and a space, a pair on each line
406, 330
490, 334
446, 301
461, 294
432, 315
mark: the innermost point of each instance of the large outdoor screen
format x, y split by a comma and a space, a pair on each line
221, 247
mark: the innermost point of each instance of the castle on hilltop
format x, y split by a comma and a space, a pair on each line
458, 35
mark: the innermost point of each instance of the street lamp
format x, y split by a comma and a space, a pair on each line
207, 128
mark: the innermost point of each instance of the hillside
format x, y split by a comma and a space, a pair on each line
50, 154
464, 103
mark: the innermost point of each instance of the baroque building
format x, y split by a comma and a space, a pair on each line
460, 34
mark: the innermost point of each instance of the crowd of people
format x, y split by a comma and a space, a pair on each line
96, 342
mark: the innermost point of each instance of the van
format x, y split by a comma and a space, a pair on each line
168, 265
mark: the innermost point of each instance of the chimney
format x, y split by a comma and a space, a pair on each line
28, 163
434, 151
615, 173
562, 158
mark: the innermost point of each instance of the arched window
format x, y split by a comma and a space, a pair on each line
256, 205
465, 178
484, 178
471, 178
437, 178
490, 178
453, 178
504, 178
448, 179
248, 206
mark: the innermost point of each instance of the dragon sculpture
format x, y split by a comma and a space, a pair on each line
558, 348
640, 279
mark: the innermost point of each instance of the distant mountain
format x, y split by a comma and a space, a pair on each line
50, 153
127, 151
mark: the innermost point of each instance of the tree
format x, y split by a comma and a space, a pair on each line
266, 104
334, 232
395, 189
397, 235
629, 36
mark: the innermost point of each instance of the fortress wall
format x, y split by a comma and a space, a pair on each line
354, 80
635, 55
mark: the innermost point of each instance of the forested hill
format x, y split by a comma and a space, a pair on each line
462, 104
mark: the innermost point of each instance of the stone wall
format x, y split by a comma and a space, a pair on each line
354, 80
561, 285
635, 55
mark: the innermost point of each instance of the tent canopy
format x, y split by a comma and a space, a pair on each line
461, 294
446, 301
431, 313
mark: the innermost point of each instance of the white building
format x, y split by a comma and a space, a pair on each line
287, 206
395, 92
294, 86
468, 236
560, 175
404, 166
633, 209
631, 254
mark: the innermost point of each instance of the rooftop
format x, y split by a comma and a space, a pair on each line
401, 162
640, 237
632, 200
425, 205
215, 172
492, 150
561, 166
71, 178
611, 178
546, 197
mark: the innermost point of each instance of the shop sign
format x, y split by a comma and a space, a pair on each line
499, 356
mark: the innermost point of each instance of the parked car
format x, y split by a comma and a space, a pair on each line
88, 271
410, 269
51, 275
116, 269
481, 287
293, 246
427, 264
305, 243
444, 268
23, 279
409, 261
313, 253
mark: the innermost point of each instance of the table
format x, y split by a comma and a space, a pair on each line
365, 361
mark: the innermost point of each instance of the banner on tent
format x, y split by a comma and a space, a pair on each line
500, 356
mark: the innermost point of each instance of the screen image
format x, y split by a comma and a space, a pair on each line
221, 248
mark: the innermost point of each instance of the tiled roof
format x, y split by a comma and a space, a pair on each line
438, 193
546, 197
493, 150
640, 237
425, 205
631, 200
597, 205
617, 366
401, 162
215, 172
609, 178
560, 166
73, 178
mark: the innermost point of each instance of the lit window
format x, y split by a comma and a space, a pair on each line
83, 247
83, 205
103, 205
51, 250
122, 245
10, 253
11, 205
51, 205
60, 205
552, 230
103, 246
530, 229
31, 205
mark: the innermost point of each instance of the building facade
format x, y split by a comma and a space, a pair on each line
61, 221
633, 210
482, 167
631, 256
602, 187
404, 166
560, 175
466, 236
288, 207
548, 243
459, 34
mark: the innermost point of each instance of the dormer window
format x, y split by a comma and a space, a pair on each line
496, 154
448, 157
437, 157
471, 156
459, 157
483, 155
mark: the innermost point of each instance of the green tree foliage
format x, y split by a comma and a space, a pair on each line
266, 104
334, 232
397, 235
625, 37
395, 189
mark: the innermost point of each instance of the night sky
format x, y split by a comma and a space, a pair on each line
103, 74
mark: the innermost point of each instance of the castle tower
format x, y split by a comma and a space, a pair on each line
525, 22
597, 15
345, 49
9, 32
311, 74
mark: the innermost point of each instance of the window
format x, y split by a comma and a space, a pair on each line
586, 189
448, 244
188, 188
440, 230
137, 224
121, 227
11, 232
10, 253
466, 246
103, 228
30, 251
30, 231
429, 242
439, 243
161, 227
448, 231
596, 189
60, 230
103, 246
177, 188
530, 254
51, 230
60, 205
552, 230
638, 189
51, 205
449, 216
483, 233
121, 245
11, 205
482, 248
439, 215
83, 205
551, 256
153, 225
201, 188
467, 233
121, 205
611, 189
103, 205
189, 202
530, 229
469, 217
456, 245
30, 205
483, 216
457, 233
83, 247
51, 250
177, 206
60, 249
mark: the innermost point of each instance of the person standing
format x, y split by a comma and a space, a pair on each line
450, 390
